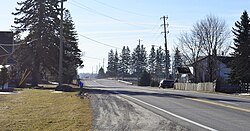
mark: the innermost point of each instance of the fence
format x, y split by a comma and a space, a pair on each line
209, 86
244, 88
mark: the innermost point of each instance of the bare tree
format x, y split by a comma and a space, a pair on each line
208, 37
191, 47
213, 34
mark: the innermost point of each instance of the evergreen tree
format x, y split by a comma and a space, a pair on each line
39, 18
145, 79
151, 61
72, 54
124, 62
159, 64
167, 62
241, 61
111, 66
116, 64
139, 60
177, 62
101, 73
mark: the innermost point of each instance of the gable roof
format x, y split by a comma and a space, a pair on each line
224, 59
183, 70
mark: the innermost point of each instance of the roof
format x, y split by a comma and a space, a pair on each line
6, 42
183, 70
224, 59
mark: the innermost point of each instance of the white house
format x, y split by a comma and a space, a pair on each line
221, 68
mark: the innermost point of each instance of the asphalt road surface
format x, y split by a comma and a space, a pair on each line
192, 110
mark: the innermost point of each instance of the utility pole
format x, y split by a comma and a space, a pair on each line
103, 63
166, 47
139, 64
61, 47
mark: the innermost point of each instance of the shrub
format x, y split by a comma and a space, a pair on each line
145, 79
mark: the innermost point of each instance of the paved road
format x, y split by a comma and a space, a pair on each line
196, 111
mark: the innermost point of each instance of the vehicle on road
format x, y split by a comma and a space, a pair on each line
167, 83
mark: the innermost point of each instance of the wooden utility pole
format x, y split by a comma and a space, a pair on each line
103, 63
61, 47
166, 47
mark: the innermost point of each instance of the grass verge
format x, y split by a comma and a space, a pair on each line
43, 110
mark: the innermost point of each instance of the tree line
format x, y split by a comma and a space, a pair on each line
135, 63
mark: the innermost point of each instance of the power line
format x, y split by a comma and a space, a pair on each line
80, 5
98, 41
123, 10
92, 58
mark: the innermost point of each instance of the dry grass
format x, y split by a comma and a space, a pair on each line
43, 110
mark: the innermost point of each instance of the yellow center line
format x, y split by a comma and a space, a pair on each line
219, 104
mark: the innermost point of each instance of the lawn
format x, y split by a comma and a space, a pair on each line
34, 109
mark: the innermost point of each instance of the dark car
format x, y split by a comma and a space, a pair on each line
167, 83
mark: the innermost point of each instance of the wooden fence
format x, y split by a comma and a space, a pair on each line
208, 86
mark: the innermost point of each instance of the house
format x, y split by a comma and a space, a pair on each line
184, 74
7, 47
220, 68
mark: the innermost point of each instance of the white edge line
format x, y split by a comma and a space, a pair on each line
170, 113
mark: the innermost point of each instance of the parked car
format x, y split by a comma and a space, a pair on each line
167, 83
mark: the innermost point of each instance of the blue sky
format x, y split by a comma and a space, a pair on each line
122, 22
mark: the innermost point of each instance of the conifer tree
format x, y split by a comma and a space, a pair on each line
101, 73
116, 64
39, 18
159, 63
241, 61
111, 66
177, 62
124, 62
139, 60
72, 54
151, 61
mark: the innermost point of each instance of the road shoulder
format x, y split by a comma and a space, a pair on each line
112, 112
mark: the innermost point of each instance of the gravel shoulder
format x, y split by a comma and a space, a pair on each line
112, 112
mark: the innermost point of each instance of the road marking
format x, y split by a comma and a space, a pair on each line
231, 103
170, 113
220, 104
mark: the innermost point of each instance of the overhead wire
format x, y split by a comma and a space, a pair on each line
98, 41
92, 58
82, 6
119, 9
